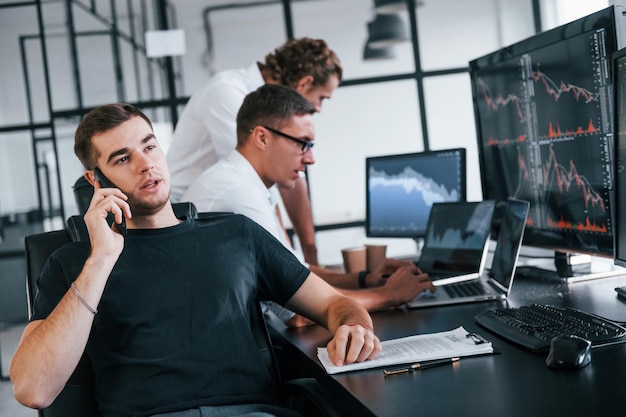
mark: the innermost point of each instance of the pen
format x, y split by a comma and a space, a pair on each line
417, 366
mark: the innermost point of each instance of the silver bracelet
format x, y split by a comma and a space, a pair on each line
83, 301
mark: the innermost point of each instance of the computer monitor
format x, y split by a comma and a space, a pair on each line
401, 189
544, 121
619, 206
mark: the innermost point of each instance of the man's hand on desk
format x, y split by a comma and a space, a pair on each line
353, 343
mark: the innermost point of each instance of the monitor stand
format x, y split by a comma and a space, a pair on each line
566, 271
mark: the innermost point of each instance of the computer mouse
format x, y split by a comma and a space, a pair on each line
567, 352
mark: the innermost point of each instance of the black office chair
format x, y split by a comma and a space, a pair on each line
78, 399
83, 191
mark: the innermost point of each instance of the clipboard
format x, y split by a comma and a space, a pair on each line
417, 349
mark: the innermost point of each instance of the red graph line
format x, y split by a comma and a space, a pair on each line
500, 101
556, 132
523, 176
522, 165
556, 91
586, 226
564, 181
491, 141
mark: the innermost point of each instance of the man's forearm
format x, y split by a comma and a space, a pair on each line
298, 208
50, 349
320, 302
345, 311
336, 279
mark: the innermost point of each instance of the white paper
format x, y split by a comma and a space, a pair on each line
425, 347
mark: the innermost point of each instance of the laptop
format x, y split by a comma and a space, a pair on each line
495, 284
456, 241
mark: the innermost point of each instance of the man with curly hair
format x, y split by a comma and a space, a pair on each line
206, 131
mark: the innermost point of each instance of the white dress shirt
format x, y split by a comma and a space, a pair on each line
206, 130
233, 185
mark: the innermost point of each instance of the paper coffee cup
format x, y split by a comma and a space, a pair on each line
354, 259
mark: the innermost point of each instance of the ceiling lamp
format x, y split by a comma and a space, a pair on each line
375, 54
390, 6
386, 30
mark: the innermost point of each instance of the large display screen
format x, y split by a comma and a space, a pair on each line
619, 206
544, 117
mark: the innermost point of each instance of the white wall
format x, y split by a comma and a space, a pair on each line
359, 121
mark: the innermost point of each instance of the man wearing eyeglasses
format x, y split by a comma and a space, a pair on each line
205, 132
275, 138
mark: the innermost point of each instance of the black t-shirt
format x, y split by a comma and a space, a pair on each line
173, 330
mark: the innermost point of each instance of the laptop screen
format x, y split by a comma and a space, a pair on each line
509, 242
456, 236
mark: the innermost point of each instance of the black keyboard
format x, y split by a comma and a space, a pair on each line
534, 326
465, 289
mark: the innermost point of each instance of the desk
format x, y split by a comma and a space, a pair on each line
511, 384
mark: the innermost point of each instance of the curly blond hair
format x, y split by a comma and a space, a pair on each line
298, 58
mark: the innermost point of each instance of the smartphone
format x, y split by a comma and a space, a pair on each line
104, 182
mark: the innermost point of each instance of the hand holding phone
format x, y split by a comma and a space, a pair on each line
105, 183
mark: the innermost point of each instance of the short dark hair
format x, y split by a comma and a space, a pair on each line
100, 120
270, 105
298, 58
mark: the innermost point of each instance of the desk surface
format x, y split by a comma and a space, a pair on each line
513, 383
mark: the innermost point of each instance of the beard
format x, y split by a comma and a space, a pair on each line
143, 208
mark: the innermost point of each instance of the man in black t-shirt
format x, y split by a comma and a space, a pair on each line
163, 312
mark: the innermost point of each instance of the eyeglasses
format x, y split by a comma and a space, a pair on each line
306, 146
